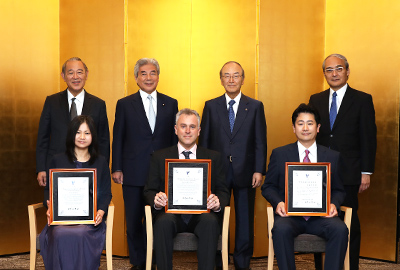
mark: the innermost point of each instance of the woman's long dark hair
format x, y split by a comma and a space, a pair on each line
71, 134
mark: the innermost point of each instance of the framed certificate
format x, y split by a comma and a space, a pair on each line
307, 189
187, 185
73, 196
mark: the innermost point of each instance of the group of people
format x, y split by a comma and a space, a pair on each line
74, 133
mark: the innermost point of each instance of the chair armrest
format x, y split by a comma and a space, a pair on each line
270, 221
32, 221
348, 211
149, 232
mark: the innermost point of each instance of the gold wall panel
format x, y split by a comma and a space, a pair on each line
29, 72
368, 35
94, 31
291, 49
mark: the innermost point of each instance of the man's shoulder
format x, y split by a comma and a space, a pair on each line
57, 95
208, 152
165, 152
215, 100
250, 100
93, 98
165, 97
358, 93
320, 94
328, 151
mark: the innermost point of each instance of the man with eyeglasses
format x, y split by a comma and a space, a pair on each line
348, 126
234, 125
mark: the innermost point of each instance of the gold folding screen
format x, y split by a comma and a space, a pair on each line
192, 39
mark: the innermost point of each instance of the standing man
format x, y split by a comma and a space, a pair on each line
60, 108
305, 121
348, 126
206, 226
234, 125
144, 122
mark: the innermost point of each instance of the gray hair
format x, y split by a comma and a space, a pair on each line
145, 61
187, 111
338, 56
220, 72
73, 59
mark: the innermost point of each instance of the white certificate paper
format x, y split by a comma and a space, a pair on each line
73, 196
187, 186
307, 189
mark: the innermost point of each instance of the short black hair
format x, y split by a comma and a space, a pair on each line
305, 108
71, 134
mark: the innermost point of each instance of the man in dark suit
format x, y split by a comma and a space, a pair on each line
58, 110
206, 226
144, 122
306, 124
348, 126
234, 125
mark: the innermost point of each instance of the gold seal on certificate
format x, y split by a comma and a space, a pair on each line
307, 189
187, 185
73, 196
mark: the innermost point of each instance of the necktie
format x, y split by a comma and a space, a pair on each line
231, 114
333, 111
152, 114
186, 154
72, 112
306, 160
186, 217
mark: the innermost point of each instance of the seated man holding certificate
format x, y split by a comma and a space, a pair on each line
306, 124
206, 226
78, 247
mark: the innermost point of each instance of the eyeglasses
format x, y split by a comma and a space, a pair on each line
228, 77
330, 70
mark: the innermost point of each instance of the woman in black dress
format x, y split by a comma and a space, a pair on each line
78, 246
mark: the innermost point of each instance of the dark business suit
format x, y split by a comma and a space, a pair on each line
287, 228
133, 144
54, 122
243, 153
354, 136
207, 227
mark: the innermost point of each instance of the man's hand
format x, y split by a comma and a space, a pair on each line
41, 178
280, 209
365, 182
257, 178
118, 177
160, 200
332, 211
99, 217
213, 203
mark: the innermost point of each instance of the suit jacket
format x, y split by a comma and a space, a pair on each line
353, 133
273, 188
133, 141
247, 144
103, 178
54, 122
156, 178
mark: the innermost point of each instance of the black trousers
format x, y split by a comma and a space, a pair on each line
207, 228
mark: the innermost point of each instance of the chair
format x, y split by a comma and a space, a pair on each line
307, 242
34, 236
187, 241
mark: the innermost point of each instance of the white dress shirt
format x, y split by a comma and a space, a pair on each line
312, 155
146, 101
79, 99
236, 105
339, 98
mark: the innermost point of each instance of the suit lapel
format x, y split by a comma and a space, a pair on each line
174, 152
345, 106
321, 154
64, 106
324, 111
87, 104
160, 110
137, 104
241, 114
293, 153
223, 114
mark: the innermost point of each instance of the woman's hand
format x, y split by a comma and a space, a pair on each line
99, 217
